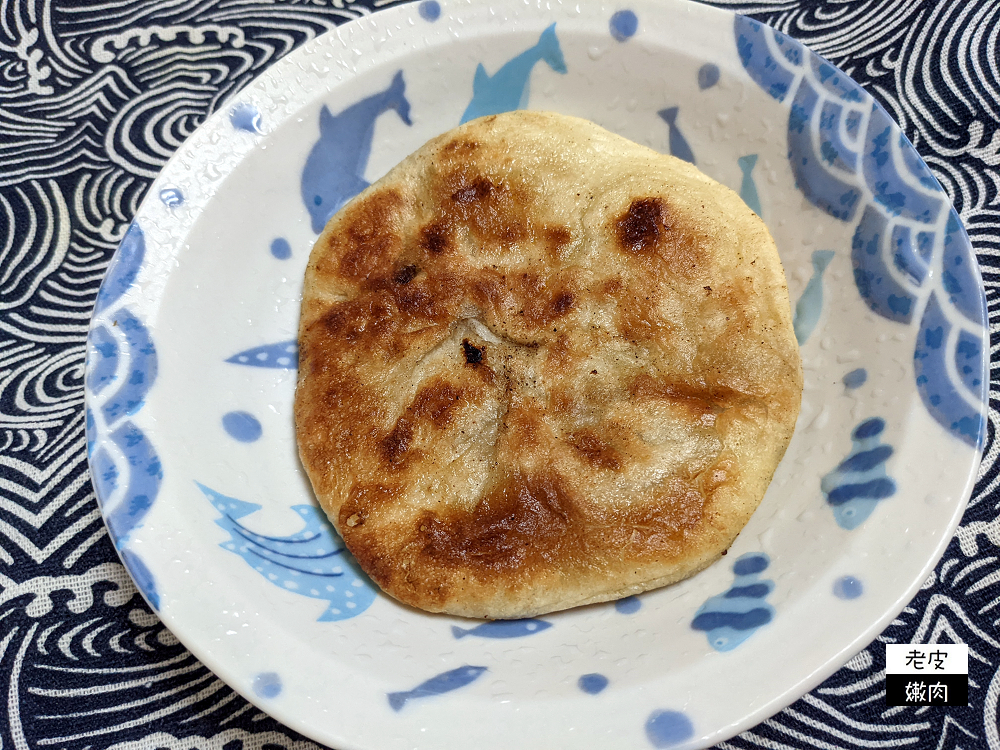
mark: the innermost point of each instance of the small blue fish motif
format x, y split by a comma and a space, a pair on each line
678, 143
283, 355
503, 629
507, 89
334, 171
437, 685
246, 117
312, 562
729, 619
860, 480
748, 188
810, 304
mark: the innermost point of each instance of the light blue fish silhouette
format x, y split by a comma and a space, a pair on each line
507, 89
283, 355
678, 143
503, 629
730, 618
860, 480
810, 304
748, 188
312, 562
442, 683
334, 171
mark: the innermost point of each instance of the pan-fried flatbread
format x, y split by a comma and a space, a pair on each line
541, 366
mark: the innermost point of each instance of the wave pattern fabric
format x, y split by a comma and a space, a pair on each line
96, 96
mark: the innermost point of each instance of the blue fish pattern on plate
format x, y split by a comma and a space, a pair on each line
860, 481
912, 259
810, 305
508, 88
503, 629
312, 562
748, 187
284, 355
122, 367
679, 146
335, 168
730, 618
438, 685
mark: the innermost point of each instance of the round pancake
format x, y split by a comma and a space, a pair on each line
542, 366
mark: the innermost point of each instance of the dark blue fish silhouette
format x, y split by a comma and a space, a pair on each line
748, 188
312, 562
730, 618
503, 629
810, 304
283, 355
334, 171
860, 481
678, 143
442, 683
507, 89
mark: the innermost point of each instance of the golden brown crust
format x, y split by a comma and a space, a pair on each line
541, 366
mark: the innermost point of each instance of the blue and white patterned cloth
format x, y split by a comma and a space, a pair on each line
94, 98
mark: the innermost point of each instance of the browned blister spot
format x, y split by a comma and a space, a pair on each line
643, 226
437, 402
700, 398
494, 211
435, 238
434, 404
541, 299
473, 354
371, 319
477, 190
647, 230
523, 521
406, 274
459, 147
613, 287
562, 303
394, 445
422, 299
595, 450
556, 240
369, 239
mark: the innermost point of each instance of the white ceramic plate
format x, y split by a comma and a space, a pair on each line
191, 360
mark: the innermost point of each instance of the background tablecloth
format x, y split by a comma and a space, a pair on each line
95, 95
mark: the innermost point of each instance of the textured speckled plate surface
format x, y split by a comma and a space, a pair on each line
191, 372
